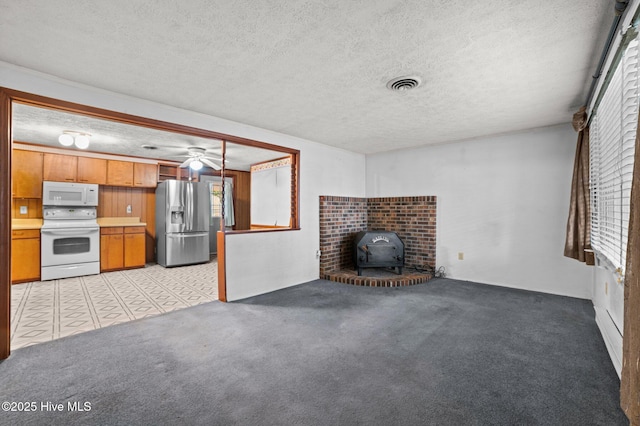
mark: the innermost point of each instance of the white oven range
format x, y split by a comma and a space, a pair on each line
69, 242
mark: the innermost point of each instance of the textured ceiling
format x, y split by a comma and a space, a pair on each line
42, 126
318, 69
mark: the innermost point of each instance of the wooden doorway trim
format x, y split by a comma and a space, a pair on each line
5, 225
7, 97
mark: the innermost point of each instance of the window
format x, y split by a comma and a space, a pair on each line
267, 186
271, 194
215, 187
612, 146
216, 199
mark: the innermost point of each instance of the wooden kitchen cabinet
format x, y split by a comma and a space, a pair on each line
25, 255
166, 172
27, 174
111, 249
122, 248
60, 168
134, 247
119, 173
92, 170
145, 175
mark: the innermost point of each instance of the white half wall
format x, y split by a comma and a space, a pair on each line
258, 262
502, 202
261, 262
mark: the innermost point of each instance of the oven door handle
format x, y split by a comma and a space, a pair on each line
69, 232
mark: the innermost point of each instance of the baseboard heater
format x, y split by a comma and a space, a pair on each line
611, 336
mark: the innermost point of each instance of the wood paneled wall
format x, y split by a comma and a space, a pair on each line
34, 208
243, 199
113, 202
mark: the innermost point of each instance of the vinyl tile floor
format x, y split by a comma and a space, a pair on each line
48, 310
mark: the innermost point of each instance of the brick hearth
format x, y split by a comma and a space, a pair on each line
412, 218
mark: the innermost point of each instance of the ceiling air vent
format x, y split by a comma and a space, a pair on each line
403, 83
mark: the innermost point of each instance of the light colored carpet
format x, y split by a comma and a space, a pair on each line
47, 310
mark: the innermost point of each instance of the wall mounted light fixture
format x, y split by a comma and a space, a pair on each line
80, 139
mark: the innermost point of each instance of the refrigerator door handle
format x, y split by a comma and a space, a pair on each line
189, 206
188, 235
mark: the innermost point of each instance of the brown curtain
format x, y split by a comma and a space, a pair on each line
578, 240
630, 378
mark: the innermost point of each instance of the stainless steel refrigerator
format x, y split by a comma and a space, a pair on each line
183, 212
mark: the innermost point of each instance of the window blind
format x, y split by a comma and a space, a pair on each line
612, 148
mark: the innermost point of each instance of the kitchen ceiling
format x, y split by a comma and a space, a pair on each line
319, 69
42, 126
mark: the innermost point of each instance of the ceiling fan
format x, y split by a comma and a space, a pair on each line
197, 159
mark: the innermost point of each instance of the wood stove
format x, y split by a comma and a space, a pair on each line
378, 249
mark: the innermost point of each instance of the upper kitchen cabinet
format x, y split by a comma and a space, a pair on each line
119, 173
27, 174
145, 175
92, 170
69, 168
60, 168
167, 171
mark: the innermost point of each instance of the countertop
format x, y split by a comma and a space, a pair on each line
19, 224
105, 222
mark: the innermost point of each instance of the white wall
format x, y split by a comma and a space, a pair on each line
268, 261
502, 201
256, 263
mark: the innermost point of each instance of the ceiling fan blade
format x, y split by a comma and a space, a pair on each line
217, 160
211, 164
186, 163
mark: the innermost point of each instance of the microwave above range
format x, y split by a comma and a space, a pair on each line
69, 194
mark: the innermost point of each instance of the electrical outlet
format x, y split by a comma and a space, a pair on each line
460, 256
129, 208
23, 210
318, 254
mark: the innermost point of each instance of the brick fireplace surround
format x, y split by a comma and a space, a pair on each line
412, 218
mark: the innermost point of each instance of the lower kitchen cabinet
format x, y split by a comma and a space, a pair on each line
111, 249
122, 248
25, 255
134, 247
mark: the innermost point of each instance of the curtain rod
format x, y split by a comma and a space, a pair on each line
630, 34
619, 9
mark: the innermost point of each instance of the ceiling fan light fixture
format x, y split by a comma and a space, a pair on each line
198, 159
195, 164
